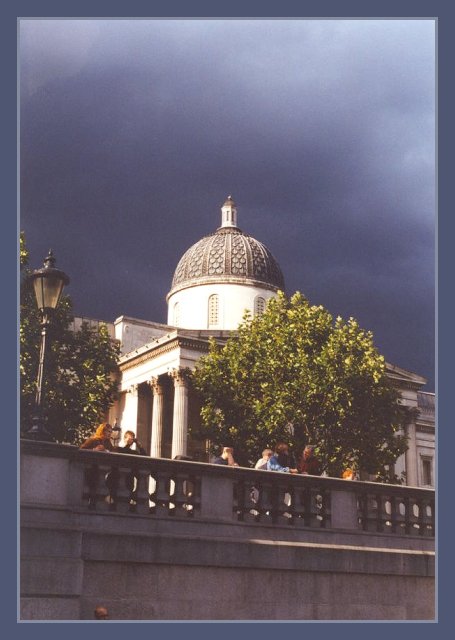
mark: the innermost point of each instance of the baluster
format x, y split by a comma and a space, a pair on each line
169, 485
365, 508
239, 499
190, 492
379, 513
407, 515
265, 502
431, 504
291, 507
142, 493
152, 489
91, 480
131, 484
284, 503
275, 500
253, 499
256, 496
422, 518
307, 506
181, 490
393, 514
359, 510
111, 480
324, 510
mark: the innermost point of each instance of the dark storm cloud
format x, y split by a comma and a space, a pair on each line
134, 132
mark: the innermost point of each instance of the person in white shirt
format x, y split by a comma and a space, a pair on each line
262, 462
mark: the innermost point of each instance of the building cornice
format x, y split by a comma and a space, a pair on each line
132, 360
404, 384
222, 279
403, 378
425, 429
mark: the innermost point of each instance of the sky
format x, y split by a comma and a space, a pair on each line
133, 133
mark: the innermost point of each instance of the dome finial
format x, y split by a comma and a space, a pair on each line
229, 213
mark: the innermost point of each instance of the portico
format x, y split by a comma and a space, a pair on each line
156, 400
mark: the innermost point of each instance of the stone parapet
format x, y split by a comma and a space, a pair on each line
194, 541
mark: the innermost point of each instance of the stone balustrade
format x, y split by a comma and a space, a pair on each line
114, 483
159, 539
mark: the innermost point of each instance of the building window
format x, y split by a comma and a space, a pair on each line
213, 311
427, 471
177, 314
259, 306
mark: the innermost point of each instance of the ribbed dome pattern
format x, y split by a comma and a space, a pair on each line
228, 255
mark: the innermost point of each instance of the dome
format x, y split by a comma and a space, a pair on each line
228, 256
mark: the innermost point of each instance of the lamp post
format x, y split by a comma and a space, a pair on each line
48, 283
116, 434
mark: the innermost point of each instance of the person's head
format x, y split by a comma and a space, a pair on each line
101, 613
267, 453
104, 431
308, 452
227, 452
282, 448
129, 437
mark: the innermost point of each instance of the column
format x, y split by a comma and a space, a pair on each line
157, 417
180, 417
129, 418
411, 456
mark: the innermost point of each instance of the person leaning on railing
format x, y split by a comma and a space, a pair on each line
262, 462
131, 444
308, 463
349, 474
226, 457
281, 459
101, 440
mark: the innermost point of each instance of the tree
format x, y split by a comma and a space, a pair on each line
81, 367
294, 374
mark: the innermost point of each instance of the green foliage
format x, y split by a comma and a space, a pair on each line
294, 374
80, 367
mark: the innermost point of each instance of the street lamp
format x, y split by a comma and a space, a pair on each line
116, 434
48, 283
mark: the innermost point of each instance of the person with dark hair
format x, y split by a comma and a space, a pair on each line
101, 440
281, 459
101, 613
308, 463
226, 457
131, 444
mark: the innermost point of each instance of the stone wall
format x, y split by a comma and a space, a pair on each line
211, 562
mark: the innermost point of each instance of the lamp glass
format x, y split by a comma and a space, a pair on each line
48, 289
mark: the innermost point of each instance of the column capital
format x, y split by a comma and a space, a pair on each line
155, 385
133, 389
181, 377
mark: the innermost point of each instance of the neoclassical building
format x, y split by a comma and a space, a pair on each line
216, 280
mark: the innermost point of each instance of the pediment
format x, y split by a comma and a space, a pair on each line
402, 377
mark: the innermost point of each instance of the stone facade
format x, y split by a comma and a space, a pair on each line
153, 366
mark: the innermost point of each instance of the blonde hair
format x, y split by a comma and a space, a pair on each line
99, 433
